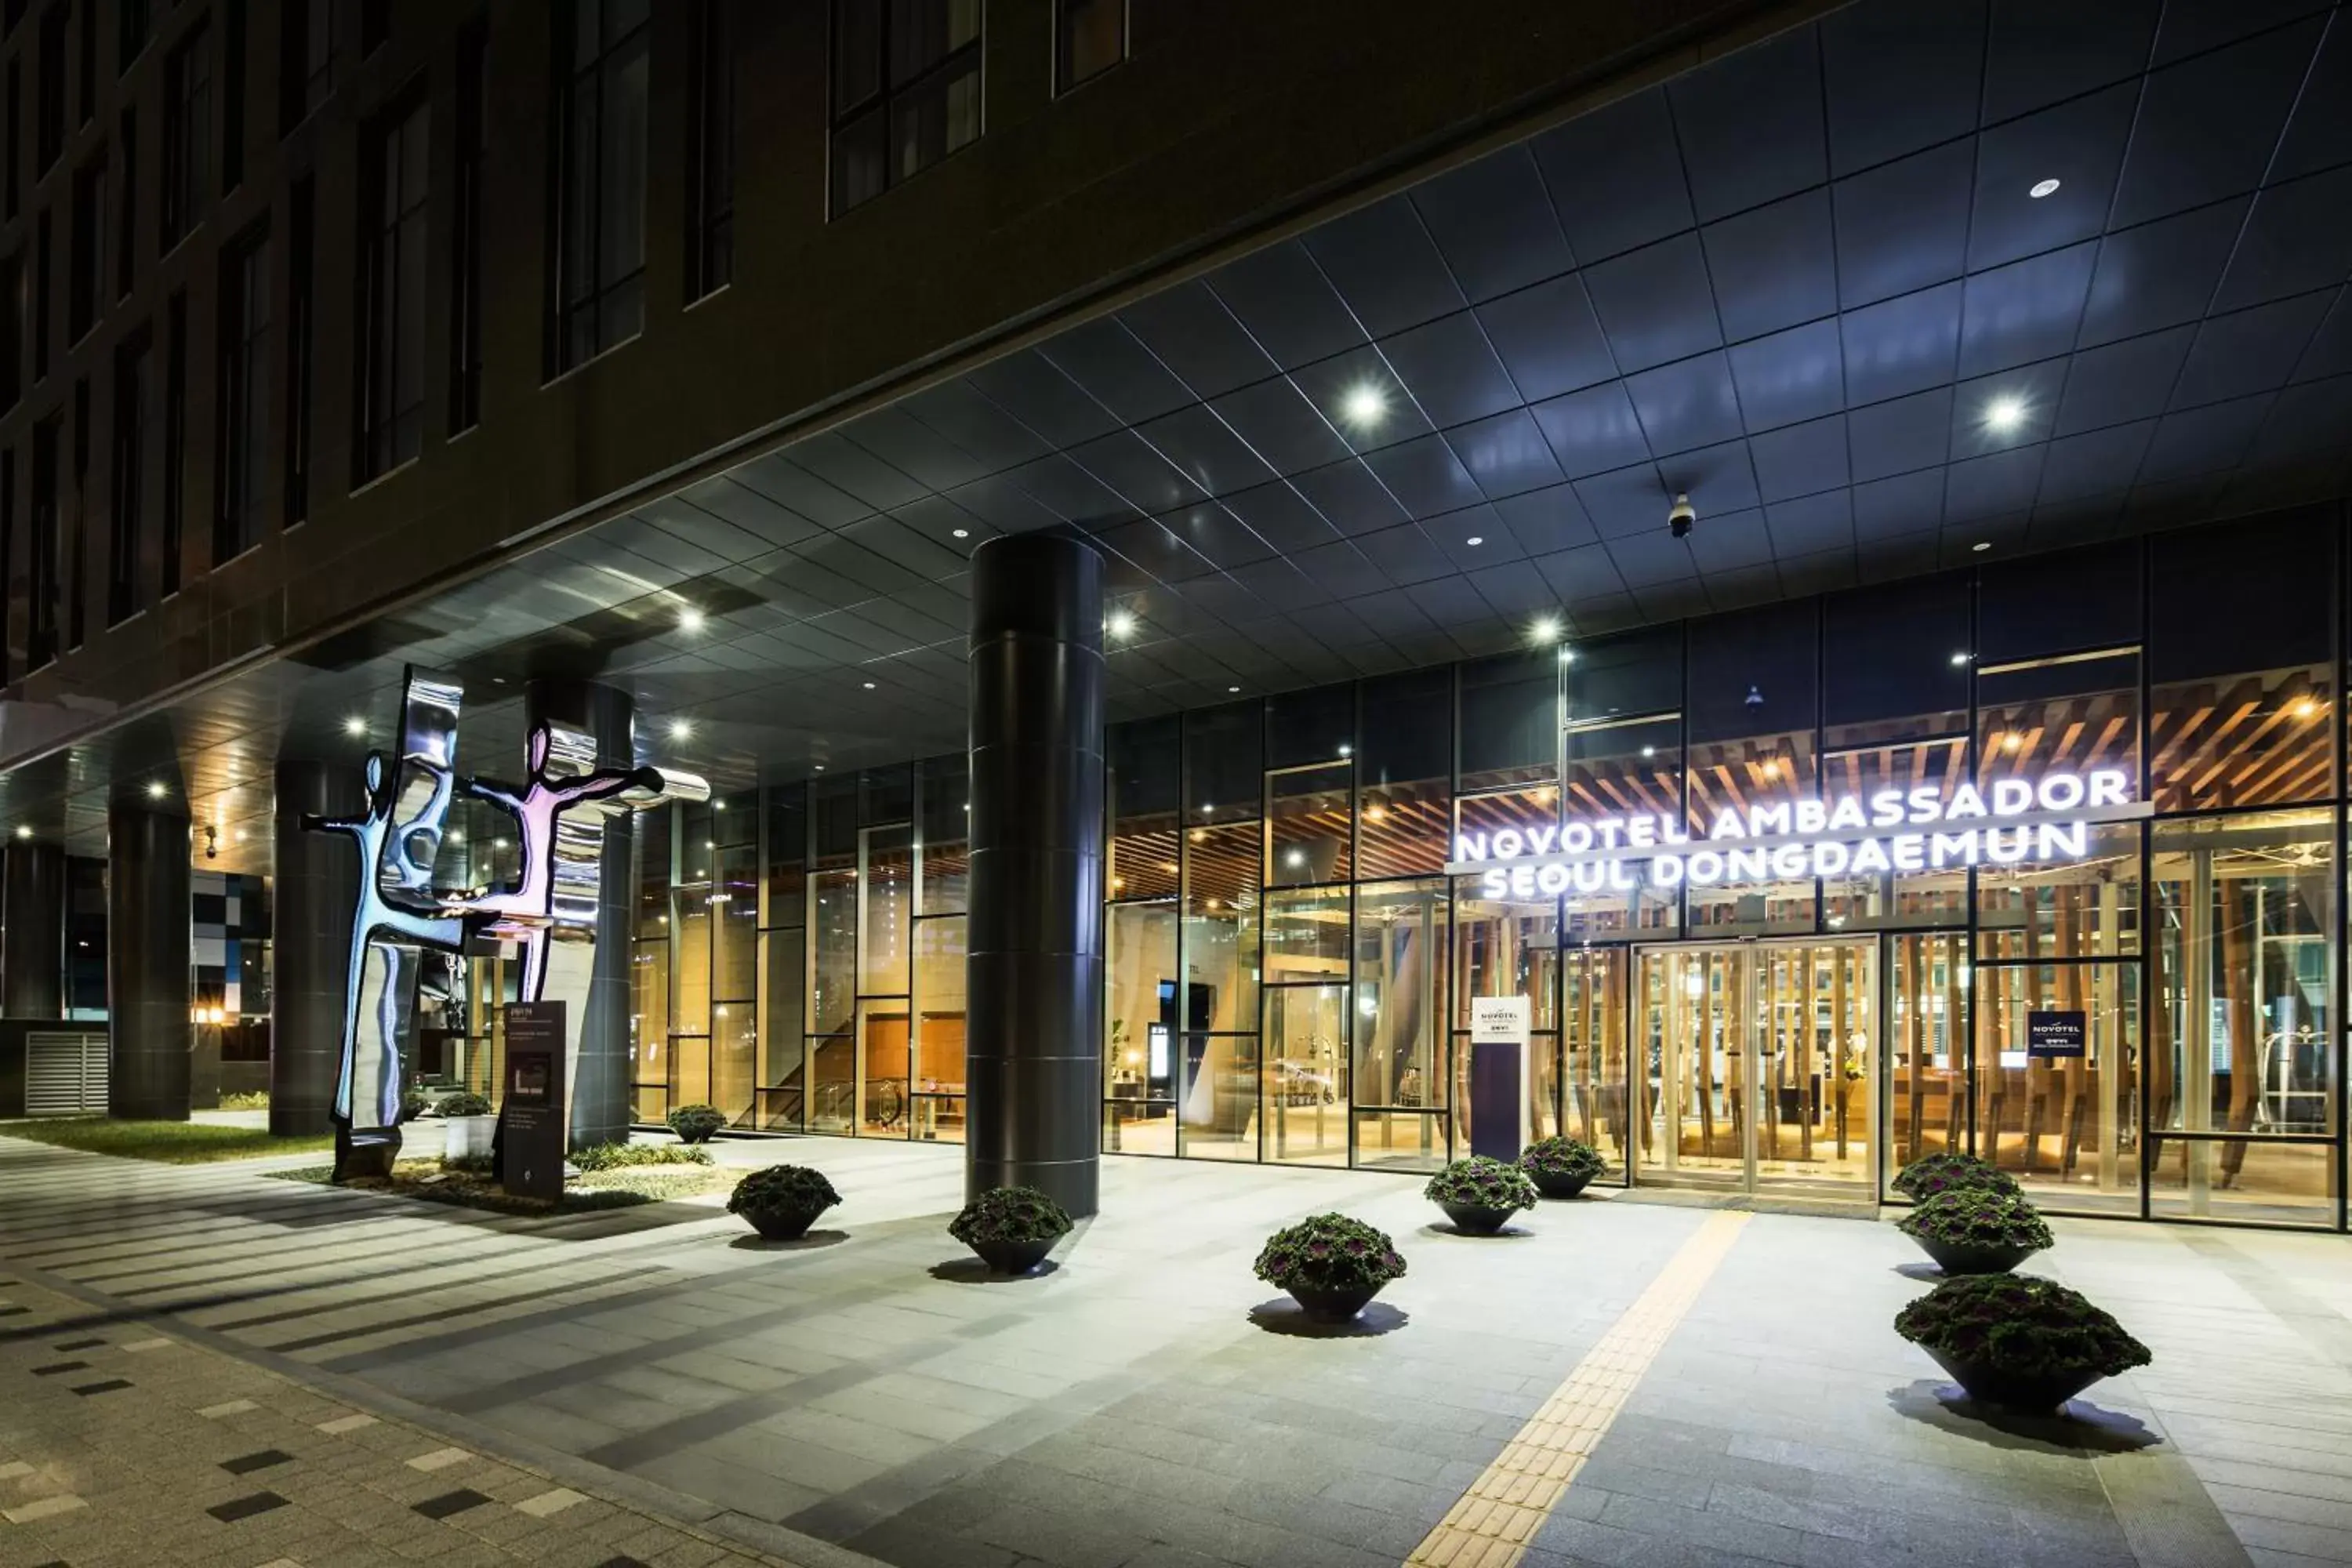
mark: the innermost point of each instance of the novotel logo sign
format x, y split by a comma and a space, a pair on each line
2012, 822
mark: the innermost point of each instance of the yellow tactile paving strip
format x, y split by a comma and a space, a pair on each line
1496, 1519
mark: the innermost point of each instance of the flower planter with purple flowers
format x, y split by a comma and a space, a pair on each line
1332, 1264
1480, 1194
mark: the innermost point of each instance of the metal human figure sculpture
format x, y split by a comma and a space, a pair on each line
398, 917
524, 912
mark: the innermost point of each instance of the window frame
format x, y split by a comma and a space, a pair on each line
883, 100
241, 394
187, 134
1064, 83
383, 337
566, 304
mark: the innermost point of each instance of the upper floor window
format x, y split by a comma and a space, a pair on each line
711, 261
906, 90
392, 251
244, 396
187, 133
600, 193
86, 284
131, 20
307, 58
1090, 37
466, 240
134, 396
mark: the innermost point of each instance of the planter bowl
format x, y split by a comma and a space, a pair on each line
1330, 1306
2040, 1393
1011, 1256
466, 1137
1557, 1186
782, 1224
1471, 1220
1965, 1259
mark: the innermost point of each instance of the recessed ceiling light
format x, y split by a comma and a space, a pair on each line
1981, 544
2042, 188
1235, 689
1960, 658
1474, 541
1346, 750
1567, 655
23, 830
498, 843
2003, 414
818, 766
157, 789
869, 686
689, 619
457, 838
1546, 630
964, 533
354, 726
680, 730
1121, 624
1365, 405
240, 835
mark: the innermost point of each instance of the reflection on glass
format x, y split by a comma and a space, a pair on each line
832, 915
1221, 910
1592, 1035
1140, 1035
939, 1107
1505, 949
2258, 1182
1926, 1057
689, 1069
1306, 1092
784, 1047
1306, 825
1618, 768
734, 1049
649, 1027
1307, 935
885, 904
833, 1083
2064, 908
1217, 1115
735, 903
885, 1055
1897, 898
2260, 739
1401, 829
1735, 776
2066, 1127
1400, 1024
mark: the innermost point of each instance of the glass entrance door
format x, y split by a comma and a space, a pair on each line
1758, 1065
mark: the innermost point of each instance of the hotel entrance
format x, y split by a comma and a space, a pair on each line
1759, 1062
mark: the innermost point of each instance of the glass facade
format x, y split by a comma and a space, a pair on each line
1291, 973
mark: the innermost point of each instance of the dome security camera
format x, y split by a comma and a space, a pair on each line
1679, 519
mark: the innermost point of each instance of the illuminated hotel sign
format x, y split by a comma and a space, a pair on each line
2012, 822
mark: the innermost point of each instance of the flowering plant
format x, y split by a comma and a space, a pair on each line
2020, 1325
1010, 1214
1483, 1182
695, 1123
1330, 1252
782, 1189
1977, 1217
1934, 1174
1562, 1157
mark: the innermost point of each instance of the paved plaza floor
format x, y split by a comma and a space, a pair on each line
1730, 1381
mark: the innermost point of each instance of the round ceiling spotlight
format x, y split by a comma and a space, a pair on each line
1981, 545
1365, 405
2004, 415
1474, 541
869, 686
1120, 624
680, 730
964, 533
1546, 631
23, 830
2042, 188
157, 789
354, 726
689, 619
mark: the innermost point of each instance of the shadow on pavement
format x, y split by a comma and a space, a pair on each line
2081, 1427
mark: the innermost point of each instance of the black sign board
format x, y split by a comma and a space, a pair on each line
533, 1143
2052, 1035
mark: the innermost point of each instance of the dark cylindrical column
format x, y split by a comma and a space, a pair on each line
147, 995
317, 889
600, 1075
1032, 1029
33, 932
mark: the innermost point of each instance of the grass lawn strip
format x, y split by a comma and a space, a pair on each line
169, 1142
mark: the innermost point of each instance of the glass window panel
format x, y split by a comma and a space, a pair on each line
736, 902
833, 1082
1404, 770
1221, 908
2243, 1182
734, 1050
787, 852
1401, 829
885, 796
1626, 676
1505, 949
653, 870
650, 1015
690, 991
1618, 768
2263, 738
1217, 1115
2067, 1128
2239, 1036
1752, 673
1926, 1055
1400, 1141
1510, 719
1928, 897
1307, 812
2065, 909
1593, 1031
2242, 595
947, 828
689, 1069
1141, 779
1738, 776
939, 1067
885, 1056
833, 812
1224, 763
2065, 602
1140, 1037
886, 902
1307, 935
833, 912
735, 819
1399, 1023
1896, 659
1305, 1094
783, 1046
1317, 726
